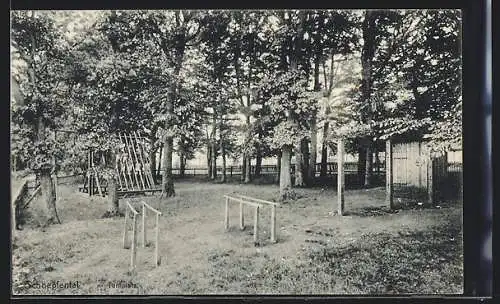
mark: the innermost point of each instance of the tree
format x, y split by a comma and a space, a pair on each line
43, 87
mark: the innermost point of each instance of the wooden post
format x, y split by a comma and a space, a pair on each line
256, 225
389, 195
242, 220
144, 239
157, 238
340, 177
133, 255
226, 218
273, 223
430, 181
125, 229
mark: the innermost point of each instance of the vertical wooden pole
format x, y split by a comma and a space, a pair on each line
389, 195
273, 224
144, 239
133, 256
340, 177
226, 217
430, 181
157, 239
242, 220
125, 229
256, 225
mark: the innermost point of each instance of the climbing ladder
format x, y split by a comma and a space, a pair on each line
133, 166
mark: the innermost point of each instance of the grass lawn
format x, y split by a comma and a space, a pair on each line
368, 251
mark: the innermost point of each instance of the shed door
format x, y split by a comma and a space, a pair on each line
409, 165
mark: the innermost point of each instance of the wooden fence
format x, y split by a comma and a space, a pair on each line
349, 168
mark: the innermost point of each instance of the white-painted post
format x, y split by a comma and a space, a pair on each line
256, 225
226, 218
430, 181
133, 255
157, 243
125, 229
242, 219
340, 177
273, 223
144, 238
389, 195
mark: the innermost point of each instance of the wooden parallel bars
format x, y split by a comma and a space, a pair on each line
273, 213
257, 204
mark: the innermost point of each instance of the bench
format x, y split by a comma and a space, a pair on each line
257, 204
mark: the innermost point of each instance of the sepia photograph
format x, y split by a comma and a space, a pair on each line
236, 152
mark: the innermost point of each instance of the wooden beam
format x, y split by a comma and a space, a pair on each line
243, 201
257, 200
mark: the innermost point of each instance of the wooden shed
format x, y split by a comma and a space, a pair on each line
410, 165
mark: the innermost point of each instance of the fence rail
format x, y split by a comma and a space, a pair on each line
331, 169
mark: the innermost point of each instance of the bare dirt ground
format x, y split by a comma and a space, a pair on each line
369, 250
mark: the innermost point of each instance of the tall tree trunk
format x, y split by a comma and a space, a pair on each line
311, 176
248, 171
285, 177
243, 167
213, 160
361, 165
213, 143
160, 159
152, 151
278, 167
369, 166
179, 49
306, 159
299, 166
223, 151
182, 157
46, 182
258, 162
324, 151
182, 165
168, 179
367, 55
113, 203
209, 160
49, 197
